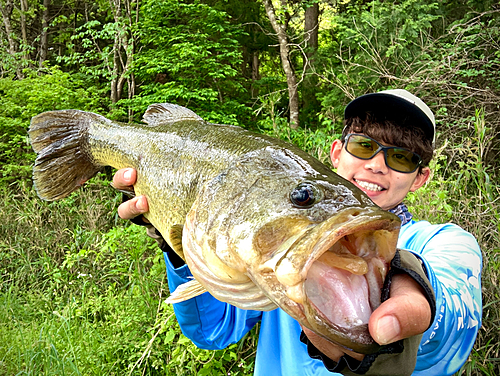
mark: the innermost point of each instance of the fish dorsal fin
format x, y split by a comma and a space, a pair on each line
186, 291
175, 240
159, 113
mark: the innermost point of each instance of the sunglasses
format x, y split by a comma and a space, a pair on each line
397, 159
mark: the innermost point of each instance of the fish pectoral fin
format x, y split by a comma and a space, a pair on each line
186, 291
129, 192
175, 240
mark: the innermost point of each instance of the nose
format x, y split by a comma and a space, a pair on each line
377, 164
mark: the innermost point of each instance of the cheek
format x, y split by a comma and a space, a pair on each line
347, 165
401, 186
344, 171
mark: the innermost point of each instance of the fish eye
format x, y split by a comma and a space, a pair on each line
304, 196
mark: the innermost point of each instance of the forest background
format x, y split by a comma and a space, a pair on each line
81, 291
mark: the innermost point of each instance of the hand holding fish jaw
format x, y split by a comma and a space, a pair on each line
124, 179
405, 314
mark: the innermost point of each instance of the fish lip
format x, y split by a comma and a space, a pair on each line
334, 229
323, 237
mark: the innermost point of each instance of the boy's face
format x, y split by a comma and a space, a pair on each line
387, 188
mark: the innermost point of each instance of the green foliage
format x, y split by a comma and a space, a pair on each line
433, 199
79, 295
316, 142
90, 49
192, 59
373, 45
20, 100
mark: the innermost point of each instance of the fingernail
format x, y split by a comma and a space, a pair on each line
388, 330
127, 174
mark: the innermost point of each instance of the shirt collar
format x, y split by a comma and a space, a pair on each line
402, 212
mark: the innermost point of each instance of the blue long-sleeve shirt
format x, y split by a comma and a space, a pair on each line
453, 262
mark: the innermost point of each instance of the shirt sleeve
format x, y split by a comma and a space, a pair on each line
453, 263
209, 323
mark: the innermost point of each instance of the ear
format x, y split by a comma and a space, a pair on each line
421, 179
335, 152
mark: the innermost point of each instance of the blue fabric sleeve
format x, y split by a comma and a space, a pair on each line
206, 321
453, 263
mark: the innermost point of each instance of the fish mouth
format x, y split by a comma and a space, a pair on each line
342, 278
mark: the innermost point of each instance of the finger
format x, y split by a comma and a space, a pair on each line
405, 314
124, 178
133, 207
333, 352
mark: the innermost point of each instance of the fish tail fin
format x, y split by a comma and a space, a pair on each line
59, 139
186, 291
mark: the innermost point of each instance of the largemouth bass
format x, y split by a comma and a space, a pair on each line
260, 223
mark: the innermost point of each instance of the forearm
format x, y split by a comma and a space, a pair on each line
446, 345
453, 263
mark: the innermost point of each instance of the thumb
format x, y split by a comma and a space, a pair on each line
405, 314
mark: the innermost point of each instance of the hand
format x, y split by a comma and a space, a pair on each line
328, 348
405, 314
138, 205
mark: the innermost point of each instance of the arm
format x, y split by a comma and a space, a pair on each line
453, 262
209, 323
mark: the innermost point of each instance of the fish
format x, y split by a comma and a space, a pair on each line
260, 223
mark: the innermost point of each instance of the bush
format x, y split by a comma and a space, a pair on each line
23, 99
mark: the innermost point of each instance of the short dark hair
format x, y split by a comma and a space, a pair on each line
388, 131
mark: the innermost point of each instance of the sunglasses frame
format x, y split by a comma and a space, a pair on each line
384, 149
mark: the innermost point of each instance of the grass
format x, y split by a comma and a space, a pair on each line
81, 293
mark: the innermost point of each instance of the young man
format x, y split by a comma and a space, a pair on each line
435, 295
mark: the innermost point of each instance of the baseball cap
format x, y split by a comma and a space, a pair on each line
398, 105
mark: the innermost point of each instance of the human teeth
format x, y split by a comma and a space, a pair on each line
369, 186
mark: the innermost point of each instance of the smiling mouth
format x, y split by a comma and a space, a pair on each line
369, 186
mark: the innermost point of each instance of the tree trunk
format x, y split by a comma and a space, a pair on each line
123, 51
44, 37
310, 104
311, 23
255, 73
24, 33
114, 80
6, 9
291, 79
